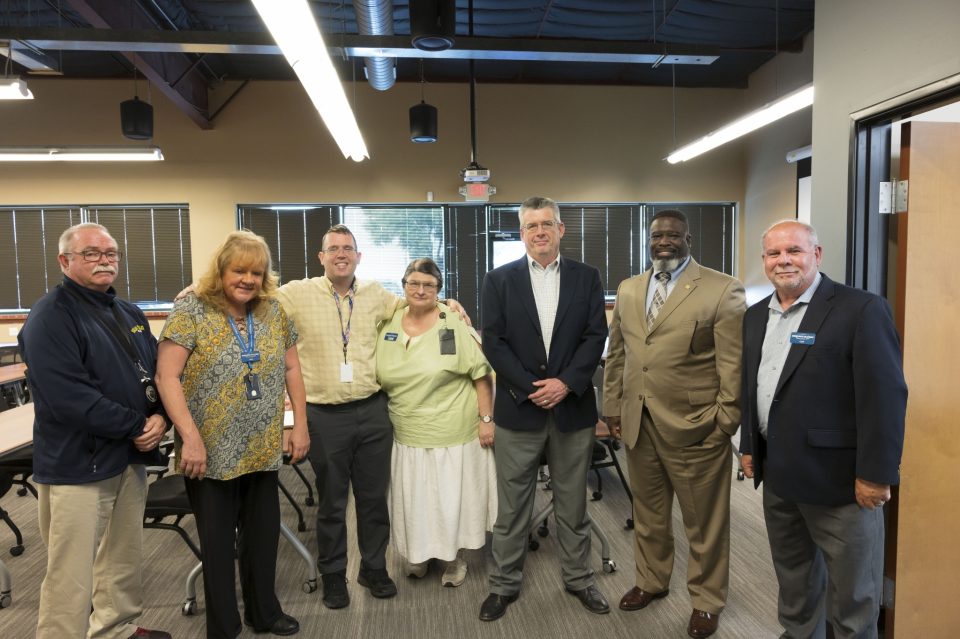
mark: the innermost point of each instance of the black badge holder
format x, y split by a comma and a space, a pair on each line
448, 343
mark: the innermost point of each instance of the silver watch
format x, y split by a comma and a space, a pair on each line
486, 419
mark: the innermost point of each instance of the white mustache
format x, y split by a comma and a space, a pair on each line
104, 269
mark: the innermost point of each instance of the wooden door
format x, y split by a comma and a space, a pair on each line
925, 522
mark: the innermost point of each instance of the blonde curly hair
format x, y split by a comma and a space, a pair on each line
243, 248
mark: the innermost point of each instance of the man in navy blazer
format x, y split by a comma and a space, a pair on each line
823, 410
543, 326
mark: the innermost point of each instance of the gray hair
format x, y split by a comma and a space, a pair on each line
67, 236
426, 266
812, 232
536, 203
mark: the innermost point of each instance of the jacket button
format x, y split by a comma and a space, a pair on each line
543, 367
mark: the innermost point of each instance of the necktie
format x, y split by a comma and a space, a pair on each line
659, 297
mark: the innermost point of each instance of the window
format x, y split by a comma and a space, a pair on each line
155, 241
463, 239
391, 237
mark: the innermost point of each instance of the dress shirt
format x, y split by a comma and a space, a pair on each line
776, 346
546, 292
313, 309
670, 285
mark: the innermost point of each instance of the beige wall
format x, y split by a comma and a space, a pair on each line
770, 182
572, 143
868, 51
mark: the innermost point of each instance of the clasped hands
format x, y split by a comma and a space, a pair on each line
549, 393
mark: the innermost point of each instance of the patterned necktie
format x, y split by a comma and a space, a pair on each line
659, 297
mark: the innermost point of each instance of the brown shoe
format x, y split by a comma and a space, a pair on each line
635, 599
702, 624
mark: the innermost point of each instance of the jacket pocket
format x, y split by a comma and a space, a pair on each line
832, 438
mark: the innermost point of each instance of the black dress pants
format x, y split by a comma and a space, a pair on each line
243, 512
351, 445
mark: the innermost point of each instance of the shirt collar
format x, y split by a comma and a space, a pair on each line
105, 299
803, 299
535, 265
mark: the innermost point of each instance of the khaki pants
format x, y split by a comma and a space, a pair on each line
94, 535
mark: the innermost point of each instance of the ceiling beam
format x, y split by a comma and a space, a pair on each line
259, 43
167, 70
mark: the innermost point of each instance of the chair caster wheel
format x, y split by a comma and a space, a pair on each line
5, 600
310, 585
310, 501
597, 495
17, 550
739, 475
302, 526
533, 544
543, 531
189, 608
609, 565
629, 525
21, 492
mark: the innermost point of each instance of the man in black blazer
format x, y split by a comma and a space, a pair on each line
543, 326
823, 410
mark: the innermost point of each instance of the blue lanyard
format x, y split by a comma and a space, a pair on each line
248, 352
345, 332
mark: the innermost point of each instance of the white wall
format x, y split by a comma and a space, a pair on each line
867, 51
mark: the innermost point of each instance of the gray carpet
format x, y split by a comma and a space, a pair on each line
425, 609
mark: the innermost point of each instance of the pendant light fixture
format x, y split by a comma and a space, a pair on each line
423, 117
136, 117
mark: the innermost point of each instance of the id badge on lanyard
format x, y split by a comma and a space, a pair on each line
249, 355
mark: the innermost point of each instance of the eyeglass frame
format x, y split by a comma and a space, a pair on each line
333, 250
426, 286
546, 225
118, 255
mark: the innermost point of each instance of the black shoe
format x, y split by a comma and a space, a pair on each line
592, 599
335, 593
285, 625
378, 581
495, 606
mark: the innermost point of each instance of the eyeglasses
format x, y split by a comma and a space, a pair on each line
426, 286
92, 255
549, 225
333, 250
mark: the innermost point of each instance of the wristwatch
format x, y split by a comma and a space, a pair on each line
486, 419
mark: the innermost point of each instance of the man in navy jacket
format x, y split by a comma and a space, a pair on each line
823, 415
90, 362
543, 328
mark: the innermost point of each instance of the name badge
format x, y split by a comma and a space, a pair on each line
389, 337
250, 357
346, 372
251, 382
804, 339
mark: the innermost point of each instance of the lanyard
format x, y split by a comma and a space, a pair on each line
248, 353
345, 332
115, 329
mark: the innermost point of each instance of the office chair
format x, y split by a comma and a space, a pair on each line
167, 498
6, 482
612, 445
539, 524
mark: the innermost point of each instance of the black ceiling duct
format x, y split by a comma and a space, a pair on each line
423, 123
433, 23
136, 119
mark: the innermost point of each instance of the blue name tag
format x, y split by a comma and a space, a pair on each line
250, 358
804, 339
389, 337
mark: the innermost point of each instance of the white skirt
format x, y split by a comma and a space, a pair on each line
441, 500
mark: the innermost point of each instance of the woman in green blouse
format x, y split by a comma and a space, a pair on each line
226, 353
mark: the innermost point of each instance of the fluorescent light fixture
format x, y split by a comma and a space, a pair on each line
80, 154
751, 122
14, 89
292, 25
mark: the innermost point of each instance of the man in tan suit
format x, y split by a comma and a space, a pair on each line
671, 393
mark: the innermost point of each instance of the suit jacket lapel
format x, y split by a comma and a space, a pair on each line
525, 290
686, 284
567, 287
755, 331
817, 310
